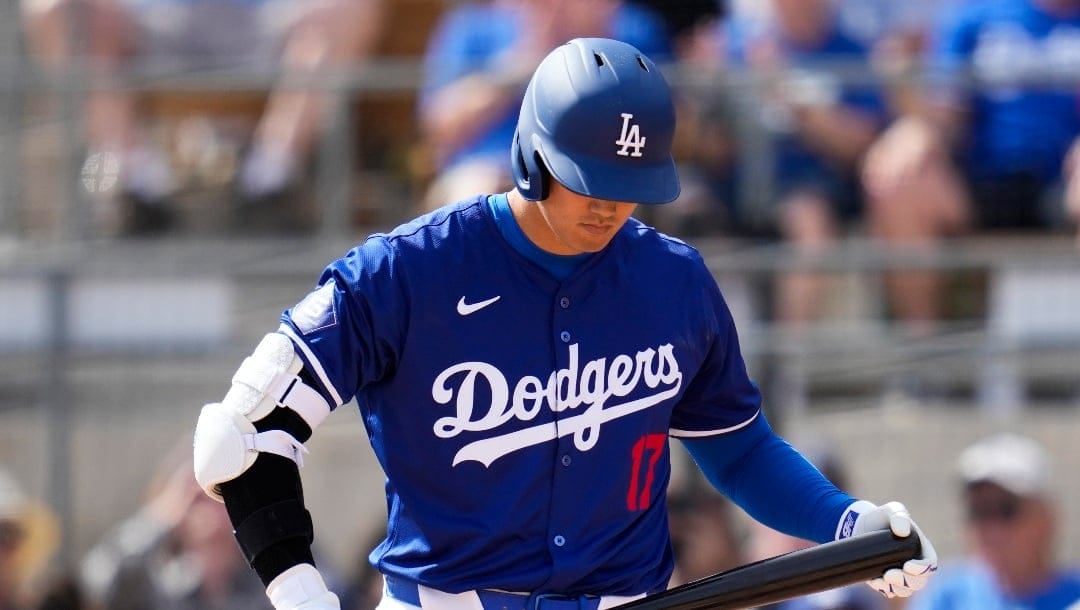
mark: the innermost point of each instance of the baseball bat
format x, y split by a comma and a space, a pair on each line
818, 568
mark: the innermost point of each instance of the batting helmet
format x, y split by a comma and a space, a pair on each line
599, 119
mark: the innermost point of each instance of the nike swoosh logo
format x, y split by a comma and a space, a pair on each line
465, 309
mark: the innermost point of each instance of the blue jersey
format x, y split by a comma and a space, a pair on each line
973, 585
1017, 126
523, 421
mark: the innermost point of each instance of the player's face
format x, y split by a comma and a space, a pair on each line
567, 223
1010, 532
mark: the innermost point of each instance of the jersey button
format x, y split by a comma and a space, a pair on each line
559, 540
566, 460
564, 302
565, 336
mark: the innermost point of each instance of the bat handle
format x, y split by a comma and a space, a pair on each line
818, 568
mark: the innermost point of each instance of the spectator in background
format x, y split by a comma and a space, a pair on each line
993, 158
1010, 522
28, 538
477, 65
704, 535
180, 36
176, 553
704, 138
898, 33
821, 128
765, 542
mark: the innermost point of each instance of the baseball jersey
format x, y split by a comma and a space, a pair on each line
523, 421
1016, 125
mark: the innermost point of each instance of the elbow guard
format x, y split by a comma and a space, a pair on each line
227, 442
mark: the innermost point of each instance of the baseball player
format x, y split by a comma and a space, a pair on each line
520, 361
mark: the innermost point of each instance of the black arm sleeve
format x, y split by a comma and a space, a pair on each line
266, 505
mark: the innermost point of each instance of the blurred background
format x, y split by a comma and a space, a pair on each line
885, 192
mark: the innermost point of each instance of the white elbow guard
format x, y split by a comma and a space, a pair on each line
226, 441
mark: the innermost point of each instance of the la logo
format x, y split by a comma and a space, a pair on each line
630, 138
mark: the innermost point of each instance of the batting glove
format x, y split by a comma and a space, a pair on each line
301, 587
862, 517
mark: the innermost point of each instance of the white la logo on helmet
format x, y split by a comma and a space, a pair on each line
630, 138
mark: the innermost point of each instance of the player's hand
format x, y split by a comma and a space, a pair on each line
863, 517
301, 587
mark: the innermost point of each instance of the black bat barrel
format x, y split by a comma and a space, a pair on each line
819, 568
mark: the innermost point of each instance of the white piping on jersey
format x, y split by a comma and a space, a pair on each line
314, 362
565, 389
698, 433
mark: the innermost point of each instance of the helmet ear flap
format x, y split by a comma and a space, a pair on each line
530, 173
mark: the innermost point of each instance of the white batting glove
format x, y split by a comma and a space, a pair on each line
301, 587
862, 517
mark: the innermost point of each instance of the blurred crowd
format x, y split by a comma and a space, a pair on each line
801, 122
177, 551
906, 122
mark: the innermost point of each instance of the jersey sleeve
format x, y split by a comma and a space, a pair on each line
721, 397
350, 329
771, 481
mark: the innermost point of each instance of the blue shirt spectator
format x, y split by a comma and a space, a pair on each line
990, 158
501, 42
871, 20
972, 584
1019, 121
810, 81
1010, 521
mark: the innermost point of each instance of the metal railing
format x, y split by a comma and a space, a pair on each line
334, 170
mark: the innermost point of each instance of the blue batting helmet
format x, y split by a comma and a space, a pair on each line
598, 118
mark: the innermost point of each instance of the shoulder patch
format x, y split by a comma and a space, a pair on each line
316, 311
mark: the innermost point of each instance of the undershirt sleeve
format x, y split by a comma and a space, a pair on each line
770, 480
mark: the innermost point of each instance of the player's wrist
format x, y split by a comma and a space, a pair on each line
862, 517
849, 525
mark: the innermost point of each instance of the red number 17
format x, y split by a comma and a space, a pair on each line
654, 443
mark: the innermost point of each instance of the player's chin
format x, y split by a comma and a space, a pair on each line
594, 238
593, 246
